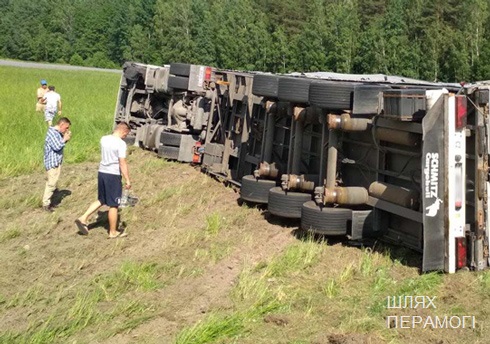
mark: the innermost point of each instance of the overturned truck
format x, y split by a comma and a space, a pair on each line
354, 156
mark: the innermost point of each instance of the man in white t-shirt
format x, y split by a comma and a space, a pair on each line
113, 164
52, 101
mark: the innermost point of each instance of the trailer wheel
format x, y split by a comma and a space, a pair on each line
331, 95
325, 220
286, 204
181, 69
256, 190
167, 152
170, 139
178, 82
295, 90
265, 85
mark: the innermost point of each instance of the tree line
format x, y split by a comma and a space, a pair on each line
443, 40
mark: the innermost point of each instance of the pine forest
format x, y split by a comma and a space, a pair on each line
435, 40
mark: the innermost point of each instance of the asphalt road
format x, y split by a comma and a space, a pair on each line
26, 64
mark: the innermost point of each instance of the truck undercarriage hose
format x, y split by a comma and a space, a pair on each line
398, 136
395, 194
346, 123
352, 195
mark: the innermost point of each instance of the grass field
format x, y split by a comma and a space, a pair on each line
88, 100
196, 267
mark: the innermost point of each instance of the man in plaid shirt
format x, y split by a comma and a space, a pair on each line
56, 138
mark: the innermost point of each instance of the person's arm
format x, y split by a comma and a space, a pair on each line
59, 106
66, 136
123, 165
56, 142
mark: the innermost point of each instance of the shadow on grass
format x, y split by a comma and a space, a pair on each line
403, 255
101, 221
281, 221
242, 203
58, 197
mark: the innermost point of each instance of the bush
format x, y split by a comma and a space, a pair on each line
100, 60
76, 60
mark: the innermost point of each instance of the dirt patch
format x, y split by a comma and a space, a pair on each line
279, 320
168, 225
349, 339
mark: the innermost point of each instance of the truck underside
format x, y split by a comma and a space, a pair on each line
355, 156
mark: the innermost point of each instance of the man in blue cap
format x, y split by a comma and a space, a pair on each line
41, 91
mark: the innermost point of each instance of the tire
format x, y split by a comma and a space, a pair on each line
325, 220
178, 82
180, 69
151, 140
286, 204
167, 152
256, 190
170, 139
265, 85
331, 95
294, 90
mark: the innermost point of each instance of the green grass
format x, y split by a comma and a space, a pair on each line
28, 199
10, 233
254, 296
301, 286
100, 301
296, 258
214, 224
214, 327
253, 299
88, 98
131, 276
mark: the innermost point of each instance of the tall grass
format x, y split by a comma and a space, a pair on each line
23, 129
101, 303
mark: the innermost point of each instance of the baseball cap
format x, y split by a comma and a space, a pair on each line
43, 82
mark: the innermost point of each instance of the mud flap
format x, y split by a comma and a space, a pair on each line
362, 225
433, 188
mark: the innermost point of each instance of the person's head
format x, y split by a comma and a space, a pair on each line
63, 125
44, 83
122, 129
51, 88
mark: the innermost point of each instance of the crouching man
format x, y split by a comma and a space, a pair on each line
113, 164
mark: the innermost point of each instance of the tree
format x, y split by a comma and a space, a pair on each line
280, 55
342, 35
242, 39
396, 57
203, 33
311, 43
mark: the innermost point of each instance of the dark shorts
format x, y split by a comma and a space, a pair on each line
110, 189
